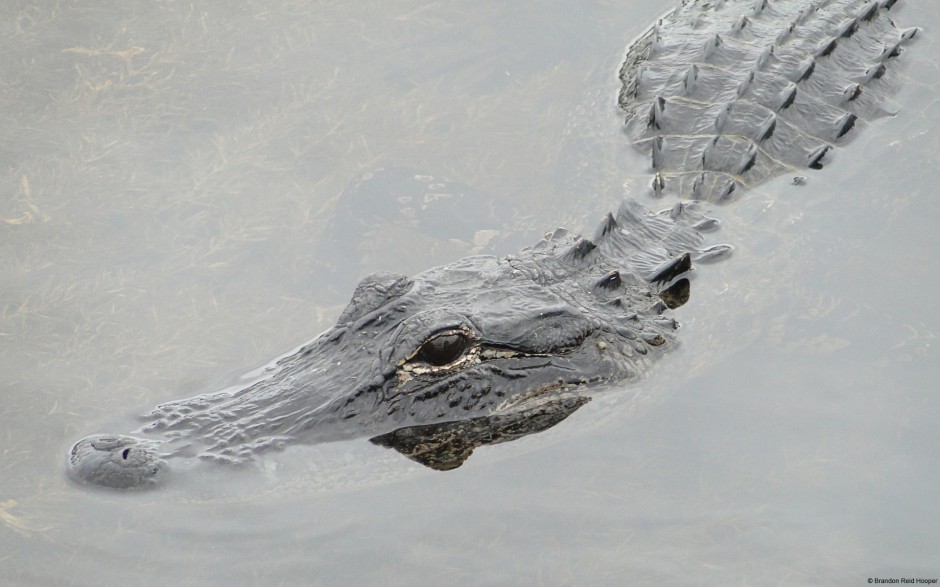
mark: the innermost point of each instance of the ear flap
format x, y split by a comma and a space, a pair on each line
373, 292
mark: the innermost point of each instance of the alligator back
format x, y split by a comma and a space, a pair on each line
725, 94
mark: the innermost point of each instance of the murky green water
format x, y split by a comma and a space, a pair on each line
175, 183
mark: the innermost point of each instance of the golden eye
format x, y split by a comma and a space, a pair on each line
444, 349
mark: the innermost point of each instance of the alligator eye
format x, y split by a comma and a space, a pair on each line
444, 349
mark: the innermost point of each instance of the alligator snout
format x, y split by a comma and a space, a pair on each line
116, 461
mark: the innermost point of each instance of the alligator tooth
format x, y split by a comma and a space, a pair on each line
887, 4
759, 7
908, 34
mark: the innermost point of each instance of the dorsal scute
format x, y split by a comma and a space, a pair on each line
581, 249
792, 77
645, 240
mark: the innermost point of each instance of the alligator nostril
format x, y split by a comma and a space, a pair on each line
125, 453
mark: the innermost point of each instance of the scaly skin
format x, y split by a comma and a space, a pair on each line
721, 94
724, 95
478, 338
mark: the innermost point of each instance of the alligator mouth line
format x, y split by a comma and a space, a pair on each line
460, 373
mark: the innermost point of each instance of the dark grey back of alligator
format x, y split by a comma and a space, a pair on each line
725, 94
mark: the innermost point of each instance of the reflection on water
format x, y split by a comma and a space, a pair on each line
171, 174
446, 446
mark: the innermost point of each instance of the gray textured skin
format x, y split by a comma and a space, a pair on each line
707, 93
724, 95
564, 313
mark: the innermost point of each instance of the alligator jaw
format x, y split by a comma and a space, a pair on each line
448, 445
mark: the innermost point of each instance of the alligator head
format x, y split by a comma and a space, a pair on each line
478, 338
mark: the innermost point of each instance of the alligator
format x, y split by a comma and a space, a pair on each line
721, 95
